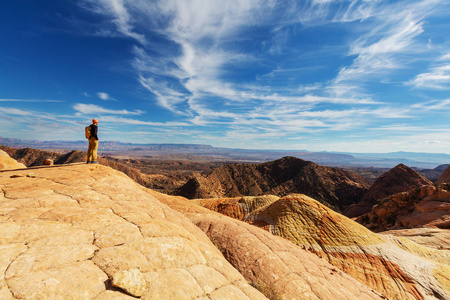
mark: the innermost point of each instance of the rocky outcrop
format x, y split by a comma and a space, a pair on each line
337, 187
30, 157
8, 163
398, 179
445, 176
274, 265
68, 232
426, 206
393, 266
35, 157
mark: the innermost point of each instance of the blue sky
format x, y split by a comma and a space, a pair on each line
320, 75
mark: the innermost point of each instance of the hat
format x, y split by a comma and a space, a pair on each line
94, 121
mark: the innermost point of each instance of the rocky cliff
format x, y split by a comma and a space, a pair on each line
394, 266
426, 206
399, 179
337, 187
90, 232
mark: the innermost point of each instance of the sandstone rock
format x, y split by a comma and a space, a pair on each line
131, 281
430, 237
398, 269
277, 267
8, 163
427, 206
68, 231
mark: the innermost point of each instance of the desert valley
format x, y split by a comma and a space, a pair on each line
166, 228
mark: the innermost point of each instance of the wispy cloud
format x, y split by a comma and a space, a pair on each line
437, 78
29, 100
127, 121
376, 51
106, 96
439, 105
91, 109
196, 74
117, 11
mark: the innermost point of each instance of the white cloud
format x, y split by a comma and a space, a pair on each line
438, 78
439, 105
119, 120
120, 17
189, 77
105, 96
91, 109
374, 58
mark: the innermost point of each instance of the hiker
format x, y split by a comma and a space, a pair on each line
91, 134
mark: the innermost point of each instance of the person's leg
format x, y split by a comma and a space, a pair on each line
89, 152
94, 151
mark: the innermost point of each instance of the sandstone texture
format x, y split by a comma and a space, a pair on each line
430, 237
426, 206
396, 267
8, 163
69, 232
399, 179
337, 187
273, 264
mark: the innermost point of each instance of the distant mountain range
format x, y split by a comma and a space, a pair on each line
190, 151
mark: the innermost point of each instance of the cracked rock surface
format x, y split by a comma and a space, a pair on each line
65, 232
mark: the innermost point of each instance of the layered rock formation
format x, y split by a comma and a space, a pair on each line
8, 163
275, 265
430, 237
337, 187
426, 206
394, 266
68, 232
398, 179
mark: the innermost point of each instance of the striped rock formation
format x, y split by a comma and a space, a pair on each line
394, 266
7, 163
274, 265
70, 232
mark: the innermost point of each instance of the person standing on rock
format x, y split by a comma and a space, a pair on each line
93, 143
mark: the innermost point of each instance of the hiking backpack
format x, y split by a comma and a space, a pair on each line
87, 131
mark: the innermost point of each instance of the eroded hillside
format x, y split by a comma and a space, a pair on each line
337, 187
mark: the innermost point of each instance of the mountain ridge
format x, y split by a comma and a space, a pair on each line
416, 159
